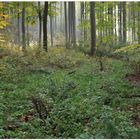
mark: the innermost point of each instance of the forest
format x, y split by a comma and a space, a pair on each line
70, 69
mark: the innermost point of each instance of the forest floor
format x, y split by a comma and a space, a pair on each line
65, 94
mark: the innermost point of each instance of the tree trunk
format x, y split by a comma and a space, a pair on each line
93, 27
45, 26
134, 22
18, 18
115, 24
40, 24
23, 27
120, 22
85, 18
66, 26
73, 25
27, 35
139, 24
124, 22
51, 27
82, 16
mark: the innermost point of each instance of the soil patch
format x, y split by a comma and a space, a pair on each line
134, 78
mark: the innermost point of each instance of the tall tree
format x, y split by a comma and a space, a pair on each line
45, 15
51, 25
115, 23
139, 23
27, 34
18, 24
66, 24
40, 23
23, 27
85, 18
124, 22
82, 16
93, 27
134, 22
72, 23
120, 22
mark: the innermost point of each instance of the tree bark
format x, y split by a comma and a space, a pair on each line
120, 22
139, 24
73, 25
23, 27
18, 18
124, 22
40, 24
27, 35
45, 44
51, 26
93, 27
66, 26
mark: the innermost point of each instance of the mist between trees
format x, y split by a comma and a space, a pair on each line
70, 24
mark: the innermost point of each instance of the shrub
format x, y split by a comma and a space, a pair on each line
63, 58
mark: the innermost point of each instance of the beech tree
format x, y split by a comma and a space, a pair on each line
139, 24
93, 27
66, 24
124, 22
73, 22
45, 15
51, 25
40, 23
23, 27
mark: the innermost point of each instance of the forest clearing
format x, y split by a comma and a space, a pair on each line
70, 70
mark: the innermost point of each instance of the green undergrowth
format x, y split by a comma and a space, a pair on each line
80, 100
